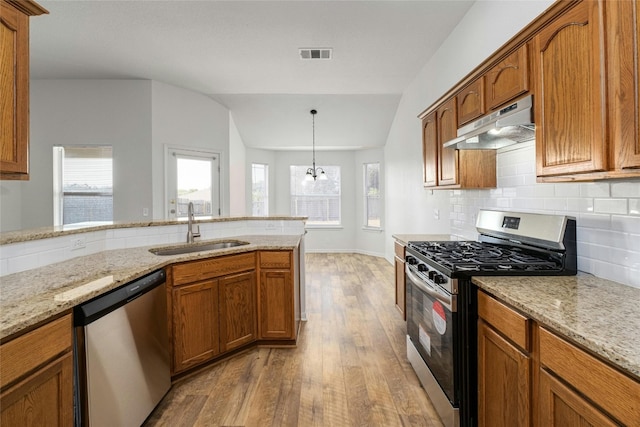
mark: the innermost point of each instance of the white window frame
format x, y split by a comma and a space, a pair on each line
58, 183
366, 197
265, 197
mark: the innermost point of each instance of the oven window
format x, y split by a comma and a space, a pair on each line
430, 326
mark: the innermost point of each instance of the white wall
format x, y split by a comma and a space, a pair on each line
237, 172
183, 118
85, 112
485, 27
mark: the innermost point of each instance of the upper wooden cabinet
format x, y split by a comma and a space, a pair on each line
569, 96
471, 103
430, 150
449, 168
508, 79
623, 50
586, 93
14, 87
447, 130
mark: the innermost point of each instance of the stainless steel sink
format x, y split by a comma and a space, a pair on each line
197, 247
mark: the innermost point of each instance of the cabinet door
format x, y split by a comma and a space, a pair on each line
560, 406
44, 398
237, 310
400, 287
471, 102
508, 79
430, 150
447, 130
14, 87
569, 99
195, 324
503, 381
623, 43
275, 305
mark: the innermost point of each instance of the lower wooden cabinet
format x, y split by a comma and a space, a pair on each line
195, 324
237, 303
36, 371
529, 375
504, 366
560, 406
276, 304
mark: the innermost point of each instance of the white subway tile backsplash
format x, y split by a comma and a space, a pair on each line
611, 206
627, 224
595, 189
634, 206
625, 189
579, 205
597, 221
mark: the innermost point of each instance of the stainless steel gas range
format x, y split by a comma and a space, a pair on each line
442, 302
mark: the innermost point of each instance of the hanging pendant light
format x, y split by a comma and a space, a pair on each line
314, 173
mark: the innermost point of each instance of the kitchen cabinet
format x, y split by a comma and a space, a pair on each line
471, 103
212, 308
530, 375
623, 84
447, 129
237, 302
449, 168
430, 150
401, 283
508, 79
276, 296
504, 365
195, 324
14, 87
570, 93
37, 376
576, 387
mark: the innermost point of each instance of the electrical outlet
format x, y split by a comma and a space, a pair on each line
78, 243
436, 213
145, 211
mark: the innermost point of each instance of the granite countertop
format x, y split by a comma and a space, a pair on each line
32, 296
600, 315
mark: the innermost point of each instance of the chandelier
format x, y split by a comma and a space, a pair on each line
313, 172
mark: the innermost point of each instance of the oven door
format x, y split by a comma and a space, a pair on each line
432, 326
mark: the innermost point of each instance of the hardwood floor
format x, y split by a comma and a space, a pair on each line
349, 369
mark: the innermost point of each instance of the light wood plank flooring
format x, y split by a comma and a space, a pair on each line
349, 369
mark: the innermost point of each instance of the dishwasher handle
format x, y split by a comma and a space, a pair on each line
102, 305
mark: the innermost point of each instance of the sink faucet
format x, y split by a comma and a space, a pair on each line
193, 230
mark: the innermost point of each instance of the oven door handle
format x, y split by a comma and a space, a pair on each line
448, 301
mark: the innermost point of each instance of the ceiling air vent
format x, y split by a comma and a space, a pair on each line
315, 53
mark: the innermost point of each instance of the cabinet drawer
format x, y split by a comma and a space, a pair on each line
399, 248
28, 351
213, 267
509, 322
612, 390
275, 259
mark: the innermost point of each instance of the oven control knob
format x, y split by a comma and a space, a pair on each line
432, 274
422, 267
411, 260
439, 279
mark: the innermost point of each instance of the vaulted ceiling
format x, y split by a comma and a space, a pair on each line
244, 54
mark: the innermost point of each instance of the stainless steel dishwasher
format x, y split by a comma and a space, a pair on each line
122, 354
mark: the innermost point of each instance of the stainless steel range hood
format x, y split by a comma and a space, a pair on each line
510, 125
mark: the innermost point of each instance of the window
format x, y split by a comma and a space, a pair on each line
193, 176
260, 189
82, 184
318, 200
372, 198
